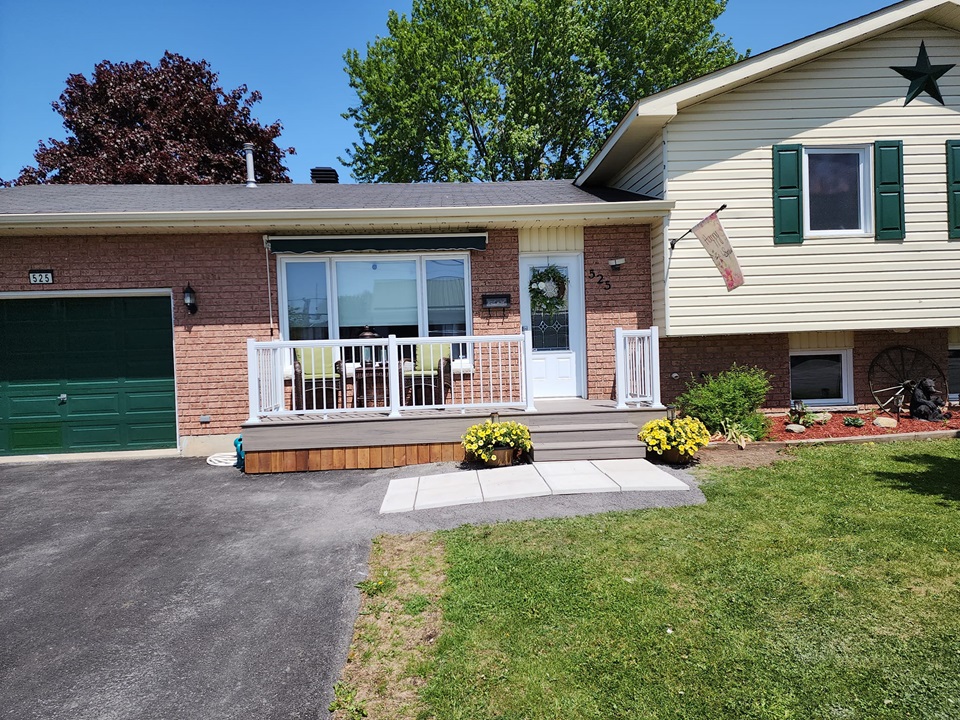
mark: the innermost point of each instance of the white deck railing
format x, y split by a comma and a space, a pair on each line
638, 367
388, 376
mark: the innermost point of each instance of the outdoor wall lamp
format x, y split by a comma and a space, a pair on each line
617, 263
190, 299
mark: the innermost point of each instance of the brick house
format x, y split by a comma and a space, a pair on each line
92, 284
842, 203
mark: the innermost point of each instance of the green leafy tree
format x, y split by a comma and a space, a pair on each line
516, 89
171, 124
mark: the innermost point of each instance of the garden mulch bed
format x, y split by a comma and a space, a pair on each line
836, 429
773, 448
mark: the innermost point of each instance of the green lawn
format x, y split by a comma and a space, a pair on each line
826, 587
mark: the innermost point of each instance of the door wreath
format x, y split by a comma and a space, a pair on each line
548, 290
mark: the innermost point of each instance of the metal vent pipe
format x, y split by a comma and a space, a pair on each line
248, 151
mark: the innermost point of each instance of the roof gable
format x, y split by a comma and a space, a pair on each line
649, 115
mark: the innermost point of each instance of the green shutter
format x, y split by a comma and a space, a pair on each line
888, 190
787, 194
953, 187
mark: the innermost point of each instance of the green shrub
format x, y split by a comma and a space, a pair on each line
756, 426
853, 421
733, 395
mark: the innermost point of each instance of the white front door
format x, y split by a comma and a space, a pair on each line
558, 331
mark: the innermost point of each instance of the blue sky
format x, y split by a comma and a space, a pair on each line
290, 51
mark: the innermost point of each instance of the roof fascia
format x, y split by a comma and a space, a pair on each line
334, 219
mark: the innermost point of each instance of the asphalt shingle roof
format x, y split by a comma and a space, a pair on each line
42, 199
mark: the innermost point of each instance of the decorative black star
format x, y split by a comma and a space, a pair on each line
923, 77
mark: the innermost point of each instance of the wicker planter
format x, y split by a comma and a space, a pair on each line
502, 457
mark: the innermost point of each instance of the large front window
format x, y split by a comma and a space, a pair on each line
402, 295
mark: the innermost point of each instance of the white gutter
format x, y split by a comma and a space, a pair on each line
265, 220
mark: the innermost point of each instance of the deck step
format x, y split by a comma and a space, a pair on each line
593, 432
589, 450
579, 427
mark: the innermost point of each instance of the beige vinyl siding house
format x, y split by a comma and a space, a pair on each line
840, 295
720, 152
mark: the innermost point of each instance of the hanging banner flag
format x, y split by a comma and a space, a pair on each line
715, 242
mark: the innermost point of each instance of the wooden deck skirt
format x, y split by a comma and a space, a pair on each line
300, 444
351, 458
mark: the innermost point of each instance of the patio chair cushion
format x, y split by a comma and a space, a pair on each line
429, 355
318, 362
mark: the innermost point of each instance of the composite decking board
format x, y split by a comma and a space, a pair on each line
438, 426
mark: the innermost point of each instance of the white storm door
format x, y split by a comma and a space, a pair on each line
558, 355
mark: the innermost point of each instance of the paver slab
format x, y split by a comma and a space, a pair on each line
577, 476
459, 488
510, 483
401, 495
636, 474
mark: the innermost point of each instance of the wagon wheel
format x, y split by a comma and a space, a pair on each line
895, 371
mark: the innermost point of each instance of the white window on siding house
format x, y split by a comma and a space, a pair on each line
953, 372
822, 377
837, 191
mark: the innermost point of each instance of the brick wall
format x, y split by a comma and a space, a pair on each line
495, 270
626, 303
229, 275
690, 356
869, 343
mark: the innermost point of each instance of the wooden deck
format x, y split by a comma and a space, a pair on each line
339, 441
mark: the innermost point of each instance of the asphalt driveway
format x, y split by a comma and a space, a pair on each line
174, 589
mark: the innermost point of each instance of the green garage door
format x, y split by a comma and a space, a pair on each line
85, 374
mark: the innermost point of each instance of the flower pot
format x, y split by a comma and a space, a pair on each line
674, 456
502, 457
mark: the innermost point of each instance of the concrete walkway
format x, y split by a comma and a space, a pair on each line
525, 481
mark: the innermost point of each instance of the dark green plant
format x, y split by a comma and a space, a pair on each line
854, 421
733, 395
800, 415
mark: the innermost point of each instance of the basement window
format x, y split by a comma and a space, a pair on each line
822, 377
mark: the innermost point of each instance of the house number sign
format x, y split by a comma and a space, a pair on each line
605, 284
41, 277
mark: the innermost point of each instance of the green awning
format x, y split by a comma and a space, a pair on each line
377, 243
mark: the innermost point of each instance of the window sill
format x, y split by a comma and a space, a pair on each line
831, 407
837, 235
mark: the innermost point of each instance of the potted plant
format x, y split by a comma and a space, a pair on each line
675, 440
497, 443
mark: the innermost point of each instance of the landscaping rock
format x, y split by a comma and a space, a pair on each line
821, 418
885, 422
796, 428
